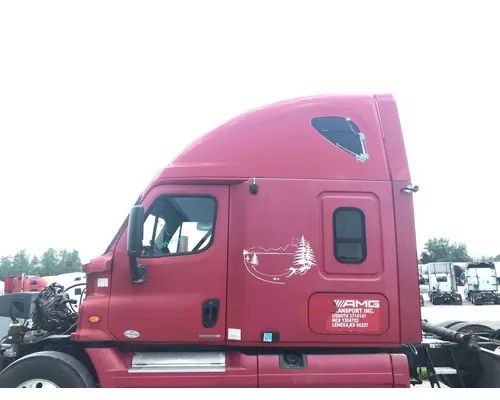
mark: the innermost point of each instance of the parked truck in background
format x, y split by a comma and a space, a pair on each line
23, 283
497, 270
443, 284
278, 250
74, 284
481, 283
13, 285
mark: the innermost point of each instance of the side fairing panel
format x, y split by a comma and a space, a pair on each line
284, 273
406, 251
394, 146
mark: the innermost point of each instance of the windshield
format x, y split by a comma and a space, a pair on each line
489, 265
440, 268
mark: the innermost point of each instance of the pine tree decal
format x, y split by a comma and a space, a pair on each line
255, 260
303, 259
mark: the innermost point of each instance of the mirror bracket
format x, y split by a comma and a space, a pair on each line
139, 272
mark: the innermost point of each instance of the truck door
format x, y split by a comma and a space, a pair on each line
185, 251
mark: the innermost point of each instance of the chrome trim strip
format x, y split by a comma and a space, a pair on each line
167, 362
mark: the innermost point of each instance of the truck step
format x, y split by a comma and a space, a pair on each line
169, 362
445, 371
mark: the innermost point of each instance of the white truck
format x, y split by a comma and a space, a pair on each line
481, 283
497, 269
443, 284
75, 284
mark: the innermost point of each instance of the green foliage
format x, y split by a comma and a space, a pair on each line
496, 258
52, 262
440, 249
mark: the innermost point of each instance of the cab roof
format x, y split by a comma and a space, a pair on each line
334, 137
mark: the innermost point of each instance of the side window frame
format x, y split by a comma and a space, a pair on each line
183, 195
362, 240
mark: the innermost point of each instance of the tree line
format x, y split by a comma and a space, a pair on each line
51, 262
442, 250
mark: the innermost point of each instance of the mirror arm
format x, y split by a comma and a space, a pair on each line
139, 273
11, 313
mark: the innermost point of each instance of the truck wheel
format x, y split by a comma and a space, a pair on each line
449, 324
46, 369
472, 327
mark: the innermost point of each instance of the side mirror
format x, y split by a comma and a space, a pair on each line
134, 244
135, 231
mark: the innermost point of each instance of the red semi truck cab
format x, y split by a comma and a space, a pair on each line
23, 283
276, 250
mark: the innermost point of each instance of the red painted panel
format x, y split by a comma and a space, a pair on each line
266, 291
348, 313
329, 371
112, 369
409, 300
302, 178
401, 370
393, 137
168, 307
374, 199
96, 301
279, 141
30, 283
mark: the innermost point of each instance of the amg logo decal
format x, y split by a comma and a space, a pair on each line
357, 303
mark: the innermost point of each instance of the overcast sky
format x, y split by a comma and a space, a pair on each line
97, 96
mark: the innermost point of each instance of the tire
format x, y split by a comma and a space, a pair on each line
436, 301
449, 324
39, 370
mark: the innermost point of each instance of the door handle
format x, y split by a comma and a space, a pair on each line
210, 312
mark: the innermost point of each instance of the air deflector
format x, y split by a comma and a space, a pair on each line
344, 134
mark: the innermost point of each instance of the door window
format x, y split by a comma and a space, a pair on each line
179, 225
